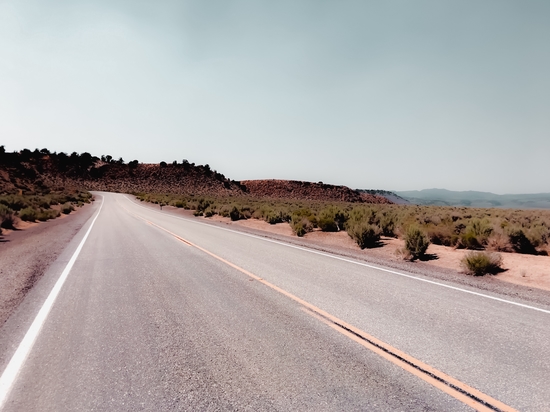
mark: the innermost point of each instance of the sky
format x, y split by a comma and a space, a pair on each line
395, 95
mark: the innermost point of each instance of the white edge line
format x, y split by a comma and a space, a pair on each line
18, 359
350, 261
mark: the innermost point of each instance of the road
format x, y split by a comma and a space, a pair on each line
160, 312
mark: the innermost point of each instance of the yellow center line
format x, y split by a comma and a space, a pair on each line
451, 386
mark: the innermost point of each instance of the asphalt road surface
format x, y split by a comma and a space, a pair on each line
145, 310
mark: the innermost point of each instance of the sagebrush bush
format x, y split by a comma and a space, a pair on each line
47, 214
388, 223
499, 242
416, 242
67, 208
481, 263
7, 217
468, 240
442, 235
301, 226
463, 227
520, 243
27, 214
235, 214
364, 234
331, 219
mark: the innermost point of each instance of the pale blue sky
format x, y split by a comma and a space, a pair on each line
388, 94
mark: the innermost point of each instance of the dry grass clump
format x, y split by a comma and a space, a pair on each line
481, 263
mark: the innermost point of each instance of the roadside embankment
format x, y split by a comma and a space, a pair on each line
25, 255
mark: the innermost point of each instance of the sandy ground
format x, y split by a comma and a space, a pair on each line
26, 253
525, 270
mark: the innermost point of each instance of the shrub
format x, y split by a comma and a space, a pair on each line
469, 240
327, 224
27, 214
499, 242
273, 217
520, 243
301, 226
416, 242
304, 213
235, 214
364, 234
7, 217
44, 215
331, 219
387, 224
481, 263
67, 208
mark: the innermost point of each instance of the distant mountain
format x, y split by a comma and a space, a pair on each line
391, 196
443, 197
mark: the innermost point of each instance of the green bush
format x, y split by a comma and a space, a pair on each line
481, 263
47, 214
7, 217
235, 214
387, 224
469, 240
364, 234
331, 219
27, 214
67, 208
442, 235
301, 226
520, 243
416, 242
304, 213
273, 217
327, 224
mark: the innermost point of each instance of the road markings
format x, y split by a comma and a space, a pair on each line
18, 359
451, 386
471, 292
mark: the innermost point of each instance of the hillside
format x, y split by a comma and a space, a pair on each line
40, 172
443, 197
297, 190
391, 196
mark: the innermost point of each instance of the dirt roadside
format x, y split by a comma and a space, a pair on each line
526, 270
26, 254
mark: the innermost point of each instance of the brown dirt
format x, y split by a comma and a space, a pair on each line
26, 253
526, 270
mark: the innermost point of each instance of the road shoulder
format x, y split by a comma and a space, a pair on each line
25, 255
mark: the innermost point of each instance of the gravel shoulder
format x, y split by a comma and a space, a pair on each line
26, 254
442, 267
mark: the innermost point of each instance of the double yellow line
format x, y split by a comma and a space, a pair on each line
451, 386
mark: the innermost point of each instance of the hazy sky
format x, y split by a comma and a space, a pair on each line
370, 94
